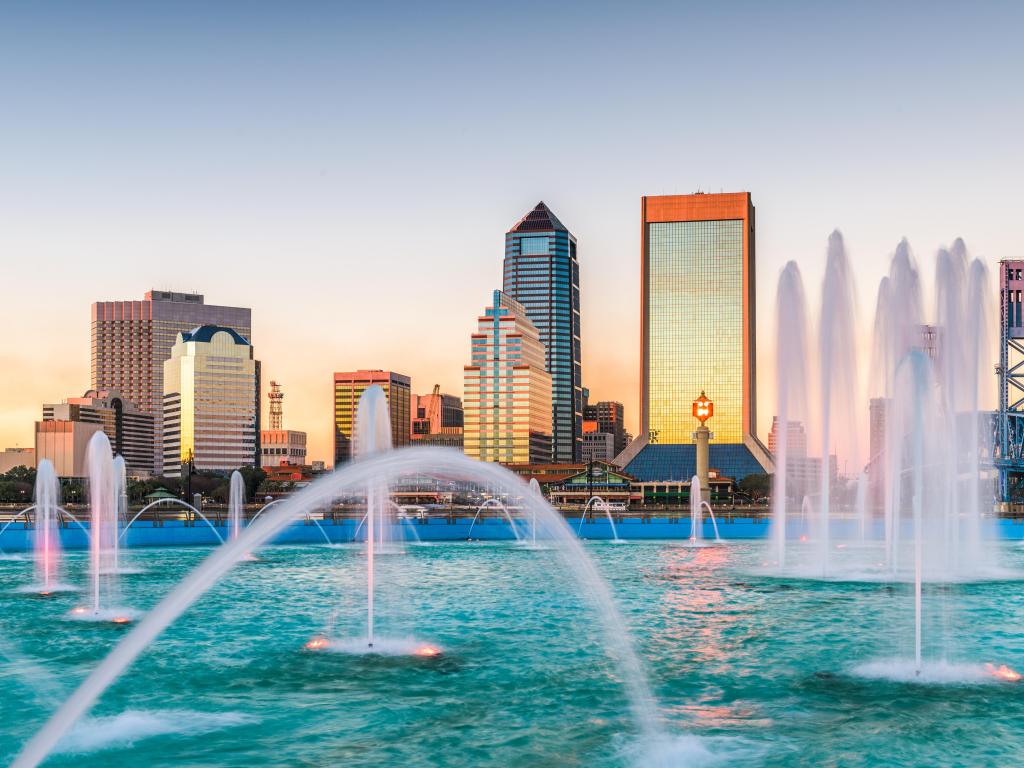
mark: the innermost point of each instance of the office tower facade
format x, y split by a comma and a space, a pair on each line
697, 334
598, 446
542, 273
796, 438
610, 417
131, 340
437, 419
129, 429
349, 387
507, 389
210, 402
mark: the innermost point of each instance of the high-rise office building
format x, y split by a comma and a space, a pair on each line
796, 438
697, 335
507, 397
129, 430
610, 418
132, 339
437, 419
349, 387
542, 273
211, 402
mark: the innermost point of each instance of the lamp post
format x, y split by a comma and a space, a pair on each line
703, 409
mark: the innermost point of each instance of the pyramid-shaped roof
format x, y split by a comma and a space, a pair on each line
540, 219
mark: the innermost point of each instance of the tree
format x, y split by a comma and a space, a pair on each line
757, 486
253, 476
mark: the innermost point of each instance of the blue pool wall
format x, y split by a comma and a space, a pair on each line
170, 533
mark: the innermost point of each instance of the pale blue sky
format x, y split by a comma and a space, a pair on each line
349, 171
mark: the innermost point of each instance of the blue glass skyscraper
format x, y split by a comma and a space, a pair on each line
542, 273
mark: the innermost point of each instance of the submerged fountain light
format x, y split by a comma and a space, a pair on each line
433, 650
1003, 672
316, 644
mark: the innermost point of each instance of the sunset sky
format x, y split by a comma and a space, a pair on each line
349, 170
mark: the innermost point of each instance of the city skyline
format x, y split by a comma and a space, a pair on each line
253, 209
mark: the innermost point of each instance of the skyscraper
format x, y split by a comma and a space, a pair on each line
132, 339
697, 334
210, 402
541, 273
610, 418
349, 387
507, 397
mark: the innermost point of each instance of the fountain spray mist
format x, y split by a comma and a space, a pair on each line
372, 435
791, 390
47, 531
837, 355
103, 517
236, 504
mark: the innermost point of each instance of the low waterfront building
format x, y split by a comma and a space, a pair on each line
129, 429
282, 447
16, 457
65, 444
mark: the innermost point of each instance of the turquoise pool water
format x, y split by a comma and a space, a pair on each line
748, 669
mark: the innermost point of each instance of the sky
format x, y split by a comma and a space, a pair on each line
348, 170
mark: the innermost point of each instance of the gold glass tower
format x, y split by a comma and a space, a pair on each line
697, 277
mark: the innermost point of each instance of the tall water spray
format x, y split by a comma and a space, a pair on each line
47, 529
791, 390
837, 357
696, 512
236, 504
372, 436
103, 533
977, 364
120, 516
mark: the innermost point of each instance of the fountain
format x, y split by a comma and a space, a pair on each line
372, 471
496, 503
925, 381
955, 349
697, 507
103, 536
791, 391
598, 503
46, 532
236, 504
838, 365
120, 517
535, 489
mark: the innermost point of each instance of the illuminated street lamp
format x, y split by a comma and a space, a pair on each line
703, 409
